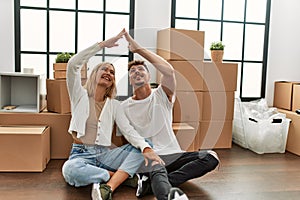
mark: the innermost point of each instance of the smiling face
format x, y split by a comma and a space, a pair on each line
138, 75
105, 75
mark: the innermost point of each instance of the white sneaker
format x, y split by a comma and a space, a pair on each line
177, 194
96, 194
214, 154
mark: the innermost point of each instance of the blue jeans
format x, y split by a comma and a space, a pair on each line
90, 163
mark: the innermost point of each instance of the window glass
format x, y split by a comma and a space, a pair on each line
90, 5
34, 3
184, 9
212, 33
233, 41
87, 34
186, 24
33, 40
254, 50
115, 24
52, 60
256, 11
252, 73
234, 10
68, 4
206, 8
62, 34
38, 63
118, 5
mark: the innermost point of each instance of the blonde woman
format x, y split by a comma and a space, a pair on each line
94, 111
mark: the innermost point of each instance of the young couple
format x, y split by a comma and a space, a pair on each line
145, 120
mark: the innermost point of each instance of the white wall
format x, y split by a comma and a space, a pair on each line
283, 62
7, 36
153, 15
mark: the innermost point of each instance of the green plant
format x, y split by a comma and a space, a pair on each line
217, 46
63, 57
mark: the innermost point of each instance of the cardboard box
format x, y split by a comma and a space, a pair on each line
57, 96
214, 135
62, 74
296, 97
204, 76
60, 71
60, 141
293, 137
21, 92
24, 148
180, 44
220, 76
197, 106
283, 94
185, 135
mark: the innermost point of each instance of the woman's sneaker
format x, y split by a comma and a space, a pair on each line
101, 192
177, 194
96, 194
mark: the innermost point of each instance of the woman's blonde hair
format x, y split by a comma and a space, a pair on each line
91, 83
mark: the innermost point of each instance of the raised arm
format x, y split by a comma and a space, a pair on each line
168, 81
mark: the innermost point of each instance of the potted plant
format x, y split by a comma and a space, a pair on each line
61, 61
217, 51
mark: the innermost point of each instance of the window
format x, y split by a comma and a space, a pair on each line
242, 25
45, 28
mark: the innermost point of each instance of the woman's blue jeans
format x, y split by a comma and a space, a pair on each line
90, 163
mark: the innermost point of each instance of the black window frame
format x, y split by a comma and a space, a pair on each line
242, 61
17, 26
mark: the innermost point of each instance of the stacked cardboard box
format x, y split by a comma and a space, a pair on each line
60, 141
24, 148
205, 90
60, 71
287, 99
57, 95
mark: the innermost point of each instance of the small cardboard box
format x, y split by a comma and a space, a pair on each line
21, 92
180, 44
283, 94
185, 135
296, 97
204, 76
196, 106
61, 140
57, 96
293, 137
24, 148
60, 71
214, 135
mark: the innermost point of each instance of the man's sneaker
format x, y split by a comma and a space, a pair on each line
106, 192
177, 194
143, 186
131, 182
96, 194
214, 154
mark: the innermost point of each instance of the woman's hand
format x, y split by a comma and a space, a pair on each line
133, 46
112, 42
148, 153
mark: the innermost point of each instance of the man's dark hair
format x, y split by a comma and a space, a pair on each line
137, 62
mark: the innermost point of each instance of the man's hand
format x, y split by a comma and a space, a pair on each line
150, 154
112, 42
133, 46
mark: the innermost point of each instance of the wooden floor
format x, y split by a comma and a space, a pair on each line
243, 175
